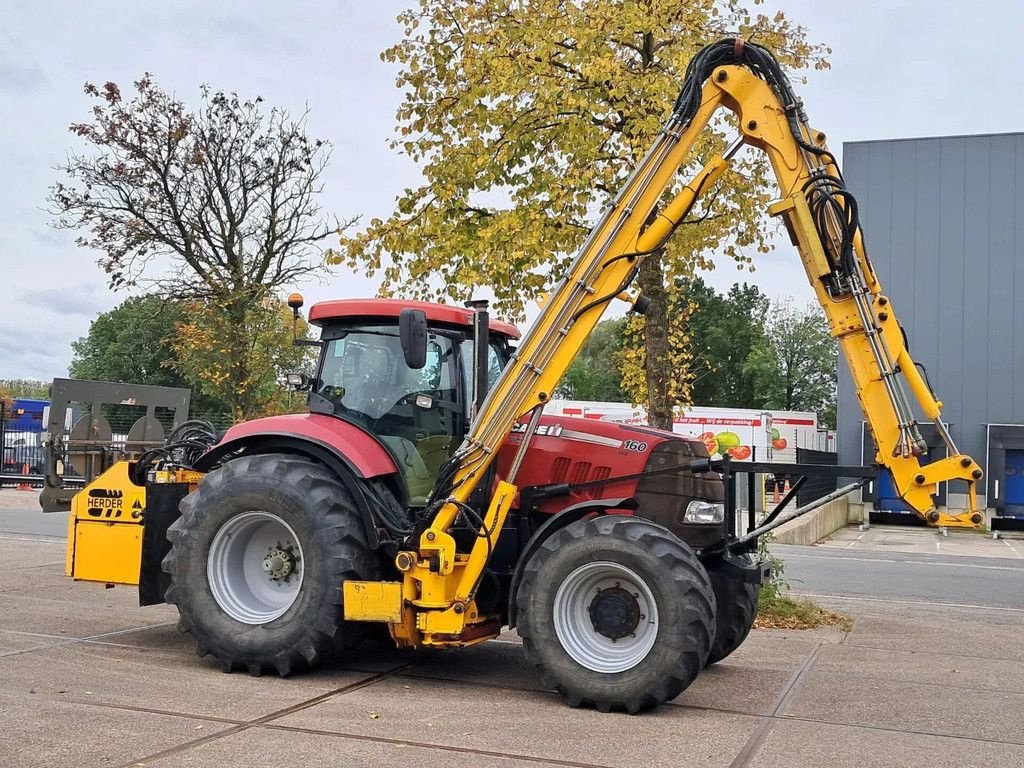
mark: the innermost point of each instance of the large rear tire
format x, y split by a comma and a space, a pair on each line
617, 613
257, 561
737, 609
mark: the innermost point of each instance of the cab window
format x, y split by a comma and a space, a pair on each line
413, 412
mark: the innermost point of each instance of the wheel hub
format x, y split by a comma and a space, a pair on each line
615, 613
279, 563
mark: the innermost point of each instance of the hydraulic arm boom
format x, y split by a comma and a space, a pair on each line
821, 217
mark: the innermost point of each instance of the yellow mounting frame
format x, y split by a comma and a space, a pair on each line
436, 600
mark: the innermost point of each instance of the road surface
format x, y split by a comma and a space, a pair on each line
961, 580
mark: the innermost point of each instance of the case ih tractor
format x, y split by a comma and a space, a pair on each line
291, 507
600, 560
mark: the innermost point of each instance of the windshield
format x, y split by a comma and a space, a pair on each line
415, 413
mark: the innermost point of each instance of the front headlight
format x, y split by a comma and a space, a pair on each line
705, 512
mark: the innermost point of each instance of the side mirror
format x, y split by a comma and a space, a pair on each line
412, 331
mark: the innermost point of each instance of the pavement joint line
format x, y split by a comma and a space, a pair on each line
929, 563
889, 729
889, 600
35, 648
263, 719
141, 710
38, 634
64, 641
12, 536
952, 656
1012, 548
765, 723
432, 745
553, 694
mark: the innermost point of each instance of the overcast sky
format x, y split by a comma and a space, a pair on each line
899, 69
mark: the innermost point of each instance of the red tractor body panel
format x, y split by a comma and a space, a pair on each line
572, 450
569, 450
364, 452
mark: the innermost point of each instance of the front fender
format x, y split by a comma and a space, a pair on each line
363, 453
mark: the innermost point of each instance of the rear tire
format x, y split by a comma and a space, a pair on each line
257, 561
737, 609
616, 613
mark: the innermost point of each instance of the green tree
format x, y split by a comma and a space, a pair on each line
200, 345
795, 367
133, 343
526, 118
216, 204
595, 374
30, 388
723, 331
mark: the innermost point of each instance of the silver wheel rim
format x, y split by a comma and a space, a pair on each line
255, 567
576, 630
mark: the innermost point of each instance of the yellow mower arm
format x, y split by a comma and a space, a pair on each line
821, 218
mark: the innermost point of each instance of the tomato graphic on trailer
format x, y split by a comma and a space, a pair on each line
739, 452
710, 442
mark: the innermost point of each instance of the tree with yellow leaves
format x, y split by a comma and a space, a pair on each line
240, 363
526, 116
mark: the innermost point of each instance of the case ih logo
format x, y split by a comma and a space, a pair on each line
551, 430
105, 502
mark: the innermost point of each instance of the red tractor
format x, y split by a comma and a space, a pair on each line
292, 506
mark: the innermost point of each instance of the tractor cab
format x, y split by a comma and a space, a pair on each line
404, 372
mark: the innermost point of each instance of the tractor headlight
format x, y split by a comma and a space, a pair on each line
704, 512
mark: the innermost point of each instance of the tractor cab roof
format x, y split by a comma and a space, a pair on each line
324, 312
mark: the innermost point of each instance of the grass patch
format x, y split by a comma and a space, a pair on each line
779, 610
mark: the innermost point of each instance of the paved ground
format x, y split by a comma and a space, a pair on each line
89, 679
926, 541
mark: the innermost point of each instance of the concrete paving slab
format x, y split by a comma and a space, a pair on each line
312, 750
30, 552
781, 649
531, 724
178, 682
39, 732
990, 633
812, 744
11, 498
932, 709
897, 667
66, 614
13, 642
479, 664
736, 688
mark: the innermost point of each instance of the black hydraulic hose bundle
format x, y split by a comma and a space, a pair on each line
182, 449
829, 200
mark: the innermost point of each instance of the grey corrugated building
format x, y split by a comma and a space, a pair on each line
944, 225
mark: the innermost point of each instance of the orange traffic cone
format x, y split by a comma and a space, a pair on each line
24, 486
786, 488
775, 492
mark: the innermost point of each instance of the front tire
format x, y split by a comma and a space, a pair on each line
257, 561
617, 613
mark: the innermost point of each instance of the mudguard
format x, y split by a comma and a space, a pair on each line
351, 452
